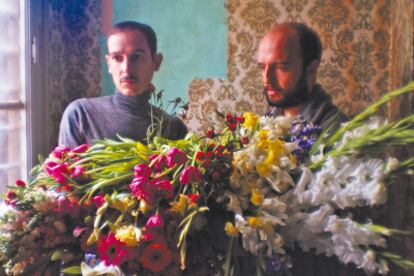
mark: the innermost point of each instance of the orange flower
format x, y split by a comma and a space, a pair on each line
156, 257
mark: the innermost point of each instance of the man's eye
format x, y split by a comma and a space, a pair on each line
135, 58
117, 58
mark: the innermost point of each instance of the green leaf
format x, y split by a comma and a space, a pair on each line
56, 256
73, 270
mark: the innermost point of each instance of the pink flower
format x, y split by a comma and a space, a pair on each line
176, 157
60, 151
142, 171
80, 149
58, 171
77, 171
160, 161
141, 189
155, 221
162, 188
99, 200
190, 174
113, 251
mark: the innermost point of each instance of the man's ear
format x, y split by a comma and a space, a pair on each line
107, 57
312, 68
157, 61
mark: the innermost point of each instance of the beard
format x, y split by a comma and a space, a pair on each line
292, 98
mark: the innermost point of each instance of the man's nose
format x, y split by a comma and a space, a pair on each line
126, 65
268, 74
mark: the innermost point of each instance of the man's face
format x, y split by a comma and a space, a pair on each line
130, 62
283, 75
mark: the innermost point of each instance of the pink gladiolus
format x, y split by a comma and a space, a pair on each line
155, 221
57, 171
60, 151
176, 157
77, 171
190, 174
80, 149
141, 189
160, 161
142, 171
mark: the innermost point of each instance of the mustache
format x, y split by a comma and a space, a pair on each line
128, 78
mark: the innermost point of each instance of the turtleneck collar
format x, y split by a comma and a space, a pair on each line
132, 103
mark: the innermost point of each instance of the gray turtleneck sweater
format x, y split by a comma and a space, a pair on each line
88, 119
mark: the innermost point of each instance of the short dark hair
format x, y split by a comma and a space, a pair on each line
310, 43
138, 26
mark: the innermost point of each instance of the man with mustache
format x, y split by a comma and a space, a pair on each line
289, 56
132, 60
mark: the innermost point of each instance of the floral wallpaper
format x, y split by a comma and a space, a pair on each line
359, 42
73, 55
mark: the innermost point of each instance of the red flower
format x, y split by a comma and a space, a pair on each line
194, 198
232, 126
244, 140
20, 183
240, 119
156, 257
113, 251
190, 174
162, 188
142, 171
210, 133
176, 157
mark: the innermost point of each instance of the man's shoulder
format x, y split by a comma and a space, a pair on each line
86, 103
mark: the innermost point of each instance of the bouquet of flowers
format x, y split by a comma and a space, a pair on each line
227, 203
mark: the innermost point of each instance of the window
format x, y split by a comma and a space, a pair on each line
13, 107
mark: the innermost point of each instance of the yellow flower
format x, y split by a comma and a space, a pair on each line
263, 170
144, 207
250, 120
257, 197
263, 134
181, 205
122, 204
255, 222
231, 230
129, 235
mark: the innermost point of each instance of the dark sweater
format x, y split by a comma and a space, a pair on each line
88, 119
317, 109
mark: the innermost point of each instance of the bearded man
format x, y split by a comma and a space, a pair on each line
289, 56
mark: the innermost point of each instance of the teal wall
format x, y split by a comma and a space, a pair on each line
192, 36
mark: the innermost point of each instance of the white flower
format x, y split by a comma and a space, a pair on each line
100, 269
368, 262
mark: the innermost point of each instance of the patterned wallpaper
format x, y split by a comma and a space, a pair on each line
73, 55
359, 41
